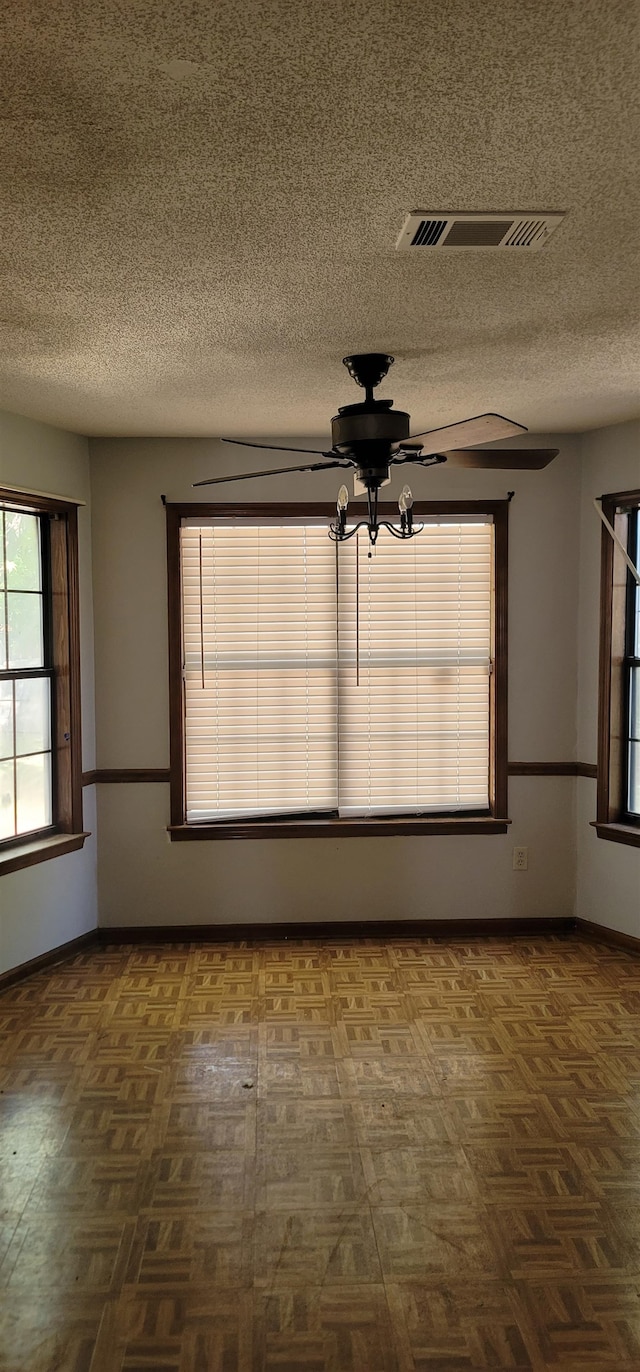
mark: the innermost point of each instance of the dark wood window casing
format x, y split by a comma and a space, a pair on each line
613, 821
495, 822
61, 583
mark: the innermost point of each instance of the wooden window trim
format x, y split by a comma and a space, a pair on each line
495, 822
337, 828
609, 823
628, 834
67, 833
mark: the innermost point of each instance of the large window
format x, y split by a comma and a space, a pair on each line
25, 677
312, 685
631, 680
40, 776
619, 691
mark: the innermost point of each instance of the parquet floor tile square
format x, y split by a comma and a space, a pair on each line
594, 1118
47, 1085
372, 1041
192, 1247
592, 1323
410, 1176
100, 1127
206, 1076
496, 1072
46, 1126
305, 1124
91, 1260
293, 1179
583, 1072
18, 1177
439, 1239
105, 1186
521, 1172
503, 1119
177, 1329
55, 1333
323, 1157
390, 1122
347, 1329
560, 1239
220, 1177
386, 1076
311, 1080
329, 1246
468, 1326
300, 1041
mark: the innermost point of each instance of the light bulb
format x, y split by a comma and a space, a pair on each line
343, 498
406, 496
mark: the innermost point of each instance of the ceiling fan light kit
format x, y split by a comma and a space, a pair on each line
370, 437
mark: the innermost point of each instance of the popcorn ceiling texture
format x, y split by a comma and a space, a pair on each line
201, 200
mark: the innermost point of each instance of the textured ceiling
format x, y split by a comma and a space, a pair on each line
201, 200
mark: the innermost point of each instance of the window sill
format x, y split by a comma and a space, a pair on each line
618, 833
39, 850
336, 828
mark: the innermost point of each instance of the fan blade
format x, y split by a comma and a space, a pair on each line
274, 471
274, 448
509, 459
485, 428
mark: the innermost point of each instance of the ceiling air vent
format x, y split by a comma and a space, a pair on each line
477, 232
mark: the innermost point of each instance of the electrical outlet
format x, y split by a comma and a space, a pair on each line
520, 859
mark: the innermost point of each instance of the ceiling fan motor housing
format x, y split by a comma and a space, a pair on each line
373, 422
372, 431
369, 434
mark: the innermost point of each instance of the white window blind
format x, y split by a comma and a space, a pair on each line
259, 642
361, 687
415, 652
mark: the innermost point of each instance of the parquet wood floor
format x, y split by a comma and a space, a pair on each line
295, 1157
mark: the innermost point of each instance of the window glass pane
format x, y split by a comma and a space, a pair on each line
634, 554
32, 715
22, 543
33, 792
633, 767
632, 799
7, 807
26, 802
634, 711
25, 630
634, 779
415, 648
6, 719
260, 673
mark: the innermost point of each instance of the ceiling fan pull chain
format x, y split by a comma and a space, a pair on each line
201, 615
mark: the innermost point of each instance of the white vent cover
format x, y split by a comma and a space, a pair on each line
467, 232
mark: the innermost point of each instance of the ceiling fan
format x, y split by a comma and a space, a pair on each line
371, 437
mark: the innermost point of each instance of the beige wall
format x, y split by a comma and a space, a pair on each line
44, 906
144, 879
608, 874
